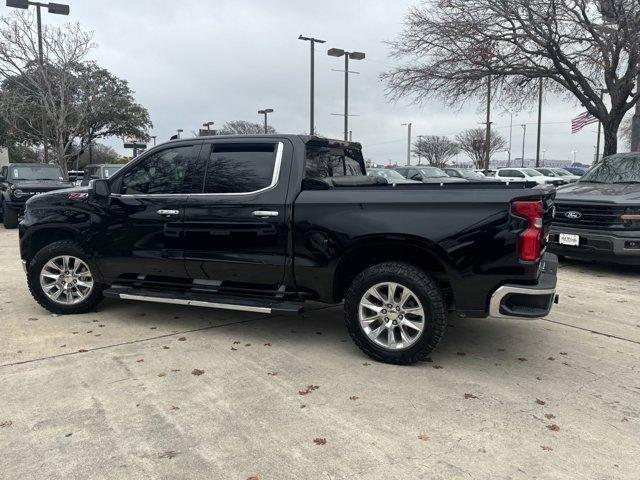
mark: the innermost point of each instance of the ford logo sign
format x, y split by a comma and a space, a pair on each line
573, 215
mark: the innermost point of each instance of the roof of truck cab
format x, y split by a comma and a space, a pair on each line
330, 142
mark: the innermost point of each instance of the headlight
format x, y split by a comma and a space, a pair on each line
19, 193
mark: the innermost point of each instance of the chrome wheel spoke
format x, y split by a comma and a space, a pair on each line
391, 316
66, 279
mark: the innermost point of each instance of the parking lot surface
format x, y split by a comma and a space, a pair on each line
139, 390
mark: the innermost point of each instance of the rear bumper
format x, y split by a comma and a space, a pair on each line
617, 247
527, 301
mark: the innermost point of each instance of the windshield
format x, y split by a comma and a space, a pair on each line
531, 172
547, 172
615, 169
388, 174
36, 172
109, 171
433, 172
471, 174
562, 172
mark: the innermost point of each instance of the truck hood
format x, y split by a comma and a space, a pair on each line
616, 193
40, 185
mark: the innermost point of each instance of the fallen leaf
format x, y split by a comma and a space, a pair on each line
236, 342
538, 378
97, 335
549, 416
152, 328
197, 372
168, 454
253, 477
563, 353
140, 360
540, 402
469, 395
303, 406
162, 374
175, 369
6, 423
234, 349
366, 364
182, 339
173, 407
462, 354
62, 346
320, 441
565, 363
75, 333
33, 319
100, 325
438, 367
68, 434
89, 331
247, 344
423, 437
353, 398
308, 390
164, 347
551, 358
267, 344
522, 359
273, 374
546, 448
82, 350
553, 427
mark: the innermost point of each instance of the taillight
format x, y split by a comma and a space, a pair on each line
530, 242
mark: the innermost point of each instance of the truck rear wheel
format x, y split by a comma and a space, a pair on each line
60, 279
395, 313
9, 217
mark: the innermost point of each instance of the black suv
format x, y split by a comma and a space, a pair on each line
21, 181
598, 217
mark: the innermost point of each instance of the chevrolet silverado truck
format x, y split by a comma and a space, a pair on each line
21, 181
598, 217
264, 223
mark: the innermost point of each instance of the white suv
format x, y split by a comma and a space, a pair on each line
527, 175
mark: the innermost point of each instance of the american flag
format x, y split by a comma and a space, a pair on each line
581, 121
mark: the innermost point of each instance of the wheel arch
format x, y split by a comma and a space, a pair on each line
42, 237
396, 249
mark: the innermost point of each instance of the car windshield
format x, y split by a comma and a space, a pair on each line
615, 169
433, 172
386, 173
109, 171
531, 172
36, 172
562, 172
546, 171
472, 175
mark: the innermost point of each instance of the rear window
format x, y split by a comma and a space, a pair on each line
324, 162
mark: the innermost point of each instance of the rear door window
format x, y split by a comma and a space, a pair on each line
325, 162
240, 168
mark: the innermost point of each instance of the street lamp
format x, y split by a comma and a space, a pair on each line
208, 125
57, 9
338, 52
408, 125
312, 41
524, 136
265, 112
180, 130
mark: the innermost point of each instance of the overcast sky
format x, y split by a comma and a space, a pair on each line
201, 60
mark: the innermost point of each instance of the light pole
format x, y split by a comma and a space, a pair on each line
154, 140
419, 145
337, 52
510, 137
573, 153
208, 125
265, 112
179, 132
524, 136
57, 9
313, 42
539, 123
408, 125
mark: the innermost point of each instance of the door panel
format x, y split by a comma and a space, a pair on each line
239, 237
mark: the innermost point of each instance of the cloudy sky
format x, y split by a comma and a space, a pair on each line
191, 61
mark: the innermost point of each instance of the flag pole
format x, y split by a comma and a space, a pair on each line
602, 90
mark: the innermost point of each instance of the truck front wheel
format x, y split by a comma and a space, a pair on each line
395, 313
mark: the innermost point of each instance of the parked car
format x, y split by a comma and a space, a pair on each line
598, 217
565, 175
426, 174
21, 181
75, 176
103, 170
527, 175
390, 175
579, 171
263, 223
467, 174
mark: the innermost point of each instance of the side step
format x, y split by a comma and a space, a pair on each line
203, 300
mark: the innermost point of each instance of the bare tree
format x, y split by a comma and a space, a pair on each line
51, 87
473, 143
436, 149
577, 47
242, 127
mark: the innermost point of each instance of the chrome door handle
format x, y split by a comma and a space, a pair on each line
265, 213
168, 212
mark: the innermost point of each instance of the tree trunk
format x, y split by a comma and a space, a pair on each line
610, 129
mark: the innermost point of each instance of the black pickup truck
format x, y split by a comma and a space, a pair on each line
21, 181
263, 223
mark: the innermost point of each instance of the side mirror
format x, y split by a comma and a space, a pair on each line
101, 188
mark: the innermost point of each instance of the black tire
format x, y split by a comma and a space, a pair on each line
9, 217
427, 291
62, 247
